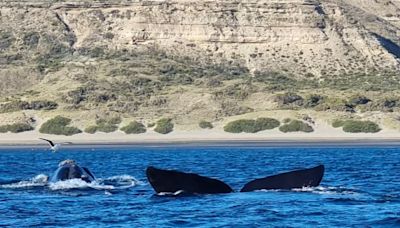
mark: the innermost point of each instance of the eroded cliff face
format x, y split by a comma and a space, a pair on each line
300, 36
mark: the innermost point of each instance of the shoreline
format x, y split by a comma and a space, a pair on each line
226, 142
216, 137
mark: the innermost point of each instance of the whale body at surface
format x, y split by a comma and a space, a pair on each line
69, 169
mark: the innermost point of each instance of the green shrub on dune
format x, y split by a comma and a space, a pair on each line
59, 126
107, 128
356, 126
134, 127
251, 126
3, 128
114, 120
296, 126
16, 128
104, 125
338, 123
164, 126
91, 129
19, 127
267, 123
239, 126
205, 125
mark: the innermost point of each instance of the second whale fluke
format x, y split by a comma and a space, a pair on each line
171, 181
290, 180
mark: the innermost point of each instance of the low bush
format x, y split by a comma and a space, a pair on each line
151, 124
358, 100
335, 104
286, 120
43, 105
107, 127
16, 128
239, 126
115, 120
251, 126
14, 106
289, 99
296, 126
338, 123
3, 128
313, 100
59, 126
91, 129
104, 125
388, 104
164, 126
357, 126
24, 105
205, 125
267, 123
134, 127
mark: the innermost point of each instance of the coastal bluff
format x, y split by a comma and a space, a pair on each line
192, 61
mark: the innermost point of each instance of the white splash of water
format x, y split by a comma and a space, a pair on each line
326, 190
69, 184
37, 181
120, 182
111, 183
318, 190
122, 179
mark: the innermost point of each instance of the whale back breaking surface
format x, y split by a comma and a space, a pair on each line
171, 181
72, 171
290, 180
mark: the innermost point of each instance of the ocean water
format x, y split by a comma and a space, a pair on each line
361, 187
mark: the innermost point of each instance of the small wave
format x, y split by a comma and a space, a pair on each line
318, 190
37, 181
121, 179
110, 183
120, 182
327, 190
389, 221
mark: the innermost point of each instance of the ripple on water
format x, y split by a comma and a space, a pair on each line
360, 188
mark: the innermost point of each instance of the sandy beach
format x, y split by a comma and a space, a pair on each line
321, 136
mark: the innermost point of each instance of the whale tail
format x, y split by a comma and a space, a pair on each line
171, 181
289, 180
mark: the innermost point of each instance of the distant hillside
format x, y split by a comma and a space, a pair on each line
193, 60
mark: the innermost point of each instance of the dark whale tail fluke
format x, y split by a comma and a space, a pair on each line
294, 179
171, 181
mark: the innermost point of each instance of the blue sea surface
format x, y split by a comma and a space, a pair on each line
361, 187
